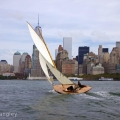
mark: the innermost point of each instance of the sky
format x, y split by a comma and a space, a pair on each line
89, 23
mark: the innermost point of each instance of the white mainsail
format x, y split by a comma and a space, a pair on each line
44, 67
45, 58
40, 44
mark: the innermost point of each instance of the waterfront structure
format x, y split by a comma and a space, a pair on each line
35, 71
16, 60
4, 68
106, 57
67, 45
62, 55
28, 64
11, 68
114, 56
100, 54
22, 62
95, 69
3, 62
56, 52
60, 48
68, 67
64, 64
75, 66
81, 52
89, 58
80, 70
103, 54
113, 62
118, 45
105, 50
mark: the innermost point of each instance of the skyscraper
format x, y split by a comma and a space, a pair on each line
67, 45
28, 64
118, 45
102, 53
16, 60
100, 50
81, 52
104, 50
22, 62
56, 52
36, 70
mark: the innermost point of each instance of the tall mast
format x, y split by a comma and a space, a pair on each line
38, 20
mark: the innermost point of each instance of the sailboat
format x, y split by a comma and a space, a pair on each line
66, 86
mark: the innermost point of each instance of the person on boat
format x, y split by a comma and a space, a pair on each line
70, 88
79, 84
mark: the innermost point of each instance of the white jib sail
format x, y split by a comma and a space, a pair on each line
60, 77
39, 44
44, 67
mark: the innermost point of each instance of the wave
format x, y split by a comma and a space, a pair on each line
115, 94
101, 95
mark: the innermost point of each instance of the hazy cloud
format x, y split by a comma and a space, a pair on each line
88, 22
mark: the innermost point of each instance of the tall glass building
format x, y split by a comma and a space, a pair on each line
16, 59
118, 44
67, 45
105, 50
81, 52
36, 70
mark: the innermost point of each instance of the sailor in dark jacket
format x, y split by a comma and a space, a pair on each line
79, 84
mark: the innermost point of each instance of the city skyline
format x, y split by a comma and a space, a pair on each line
89, 23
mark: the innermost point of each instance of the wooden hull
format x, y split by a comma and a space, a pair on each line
62, 89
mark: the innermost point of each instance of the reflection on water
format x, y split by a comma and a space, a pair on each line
36, 100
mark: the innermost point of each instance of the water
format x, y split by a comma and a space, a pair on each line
36, 100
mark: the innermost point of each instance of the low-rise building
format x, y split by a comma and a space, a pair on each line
95, 69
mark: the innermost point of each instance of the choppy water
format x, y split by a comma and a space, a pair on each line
36, 100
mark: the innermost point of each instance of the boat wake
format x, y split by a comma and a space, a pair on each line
101, 95
91, 96
52, 91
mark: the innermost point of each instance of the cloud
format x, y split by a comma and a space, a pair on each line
88, 22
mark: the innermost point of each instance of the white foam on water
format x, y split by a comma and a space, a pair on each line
104, 94
52, 91
90, 97
107, 95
